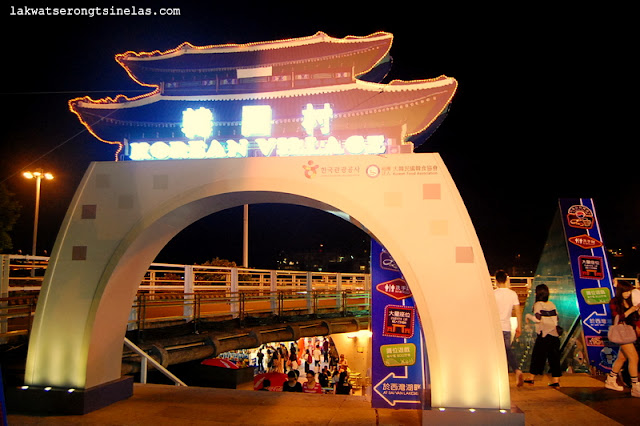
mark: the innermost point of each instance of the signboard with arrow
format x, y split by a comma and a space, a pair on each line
399, 373
591, 276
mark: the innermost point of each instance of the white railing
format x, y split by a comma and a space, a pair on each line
145, 358
25, 273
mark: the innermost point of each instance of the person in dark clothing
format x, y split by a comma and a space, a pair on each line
342, 386
260, 357
292, 384
323, 377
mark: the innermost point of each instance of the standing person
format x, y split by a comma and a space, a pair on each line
292, 384
316, 355
325, 349
507, 301
311, 386
282, 361
307, 360
269, 360
260, 361
547, 344
343, 364
622, 306
333, 356
624, 373
293, 358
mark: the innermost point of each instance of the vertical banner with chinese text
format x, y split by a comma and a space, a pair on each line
592, 278
399, 373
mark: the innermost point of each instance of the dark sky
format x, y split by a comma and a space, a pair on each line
539, 113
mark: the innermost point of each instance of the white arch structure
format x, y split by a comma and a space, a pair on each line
124, 213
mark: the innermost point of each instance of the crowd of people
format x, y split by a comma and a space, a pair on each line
336, 382
625, 307
324, 370
280, 358
311, 365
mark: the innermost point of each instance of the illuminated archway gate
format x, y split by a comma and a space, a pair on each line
124, 213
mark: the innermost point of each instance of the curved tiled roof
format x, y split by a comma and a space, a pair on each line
150, 68
414, 105
315, 70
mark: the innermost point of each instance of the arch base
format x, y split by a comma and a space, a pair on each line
34, 400
462, 416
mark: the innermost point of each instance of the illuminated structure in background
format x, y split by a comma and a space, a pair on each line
306, 125
311, 96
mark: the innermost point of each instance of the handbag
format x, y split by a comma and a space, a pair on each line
621, 333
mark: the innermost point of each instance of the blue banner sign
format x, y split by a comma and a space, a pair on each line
399, 371
592, 278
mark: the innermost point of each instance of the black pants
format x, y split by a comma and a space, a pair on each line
546, 348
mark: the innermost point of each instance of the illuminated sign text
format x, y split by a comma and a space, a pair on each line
259, 147
257, 121
197, 123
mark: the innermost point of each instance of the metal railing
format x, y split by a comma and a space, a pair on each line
183, 293
152, 310
145, 359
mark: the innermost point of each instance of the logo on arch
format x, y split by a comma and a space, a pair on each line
397, 289
310, 170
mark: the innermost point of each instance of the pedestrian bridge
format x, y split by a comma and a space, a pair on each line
171, 294
188, 312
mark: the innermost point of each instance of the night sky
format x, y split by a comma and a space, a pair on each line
539, 114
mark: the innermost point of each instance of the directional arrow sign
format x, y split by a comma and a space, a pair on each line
597, 323
399, 389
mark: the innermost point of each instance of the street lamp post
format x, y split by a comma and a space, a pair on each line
38, 174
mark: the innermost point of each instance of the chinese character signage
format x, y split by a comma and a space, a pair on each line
399, 370
198, 126
591, 275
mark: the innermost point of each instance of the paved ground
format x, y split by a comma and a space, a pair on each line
169, 405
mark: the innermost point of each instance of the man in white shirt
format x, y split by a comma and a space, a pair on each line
507, 301
316, 355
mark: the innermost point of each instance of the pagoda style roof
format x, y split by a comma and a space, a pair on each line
357, 107
188, 62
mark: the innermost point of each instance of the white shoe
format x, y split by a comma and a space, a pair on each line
612, 383
635, 390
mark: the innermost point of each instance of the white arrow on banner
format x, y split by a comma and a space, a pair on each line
393, 376
589, 317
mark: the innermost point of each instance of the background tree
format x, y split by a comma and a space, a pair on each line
9, 214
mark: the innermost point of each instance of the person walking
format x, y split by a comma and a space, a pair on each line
547, 344
325, 349
317, 353
307, 360
622, 307
624, 373
508, 303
